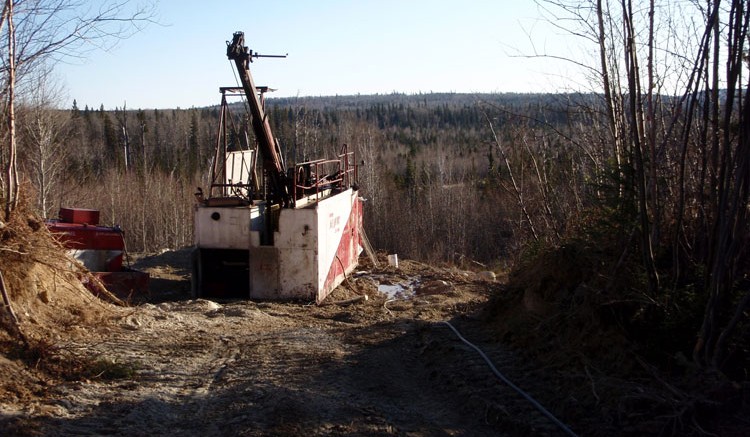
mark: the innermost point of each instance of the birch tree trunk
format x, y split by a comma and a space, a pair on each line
11, 173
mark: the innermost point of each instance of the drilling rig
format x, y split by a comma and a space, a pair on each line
265, 231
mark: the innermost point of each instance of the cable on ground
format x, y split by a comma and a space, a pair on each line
502, 377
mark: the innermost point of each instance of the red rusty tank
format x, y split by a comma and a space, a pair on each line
99, 248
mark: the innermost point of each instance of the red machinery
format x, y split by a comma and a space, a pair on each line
99, 248
279, 233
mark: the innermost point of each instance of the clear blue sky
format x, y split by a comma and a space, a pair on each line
334, 46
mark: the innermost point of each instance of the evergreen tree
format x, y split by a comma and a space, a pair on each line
75, 112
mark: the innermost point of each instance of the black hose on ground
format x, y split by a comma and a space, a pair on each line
502, 377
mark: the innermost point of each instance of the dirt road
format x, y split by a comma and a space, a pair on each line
381, 366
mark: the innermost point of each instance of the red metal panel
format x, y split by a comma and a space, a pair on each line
85, 238
80, 216
348, 250
77, 236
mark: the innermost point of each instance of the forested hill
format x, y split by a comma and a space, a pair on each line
428, 100
417, 122
412, 146
455, 108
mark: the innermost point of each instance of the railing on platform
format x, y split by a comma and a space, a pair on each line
315, 178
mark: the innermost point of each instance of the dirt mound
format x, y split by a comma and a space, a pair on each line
559, 300
44, 285
47, 306
592, 335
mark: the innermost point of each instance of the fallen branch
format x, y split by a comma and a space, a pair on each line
16, 326
17, 252
6, 300
99, 290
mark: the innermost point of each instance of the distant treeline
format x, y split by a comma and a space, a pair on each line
447, 176
431, 170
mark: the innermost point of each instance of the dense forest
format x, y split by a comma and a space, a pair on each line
428, 165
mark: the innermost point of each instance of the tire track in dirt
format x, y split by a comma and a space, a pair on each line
254, 369
183, 353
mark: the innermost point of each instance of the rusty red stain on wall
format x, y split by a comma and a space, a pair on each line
348, 249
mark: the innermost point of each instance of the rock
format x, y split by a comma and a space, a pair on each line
44, 296
132, 323
486, 276
203, 305
437, 286
214, 313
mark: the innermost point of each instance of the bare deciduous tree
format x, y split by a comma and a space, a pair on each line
678, 131
38, 31
44, 130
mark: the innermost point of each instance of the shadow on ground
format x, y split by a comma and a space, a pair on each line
169, 275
